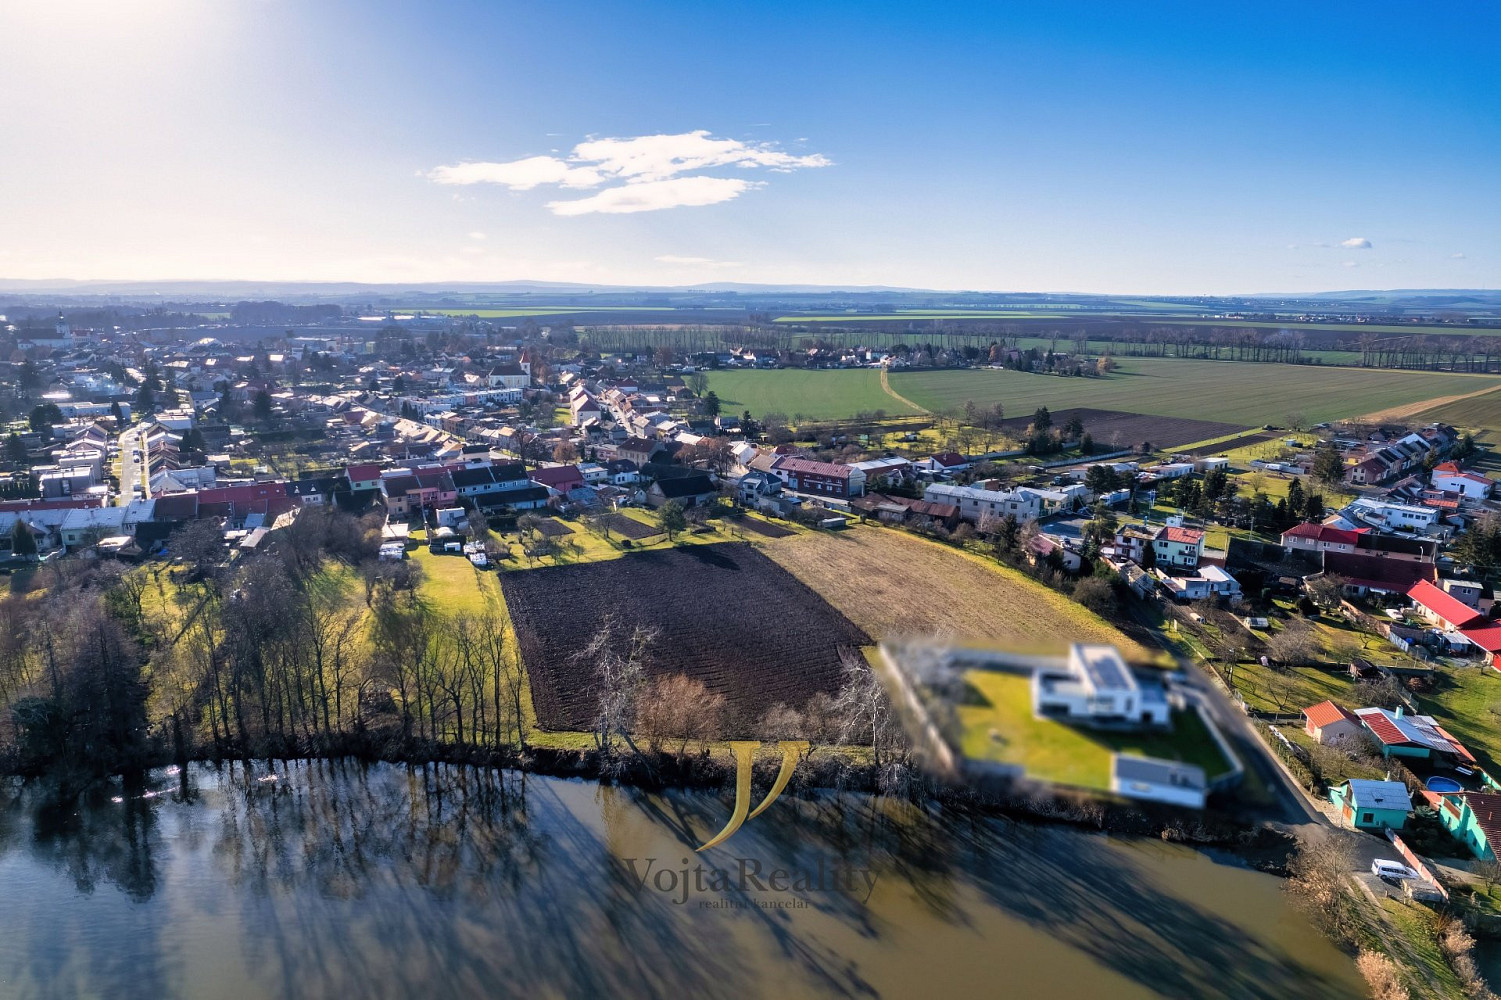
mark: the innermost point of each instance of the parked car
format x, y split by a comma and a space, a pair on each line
1391, 871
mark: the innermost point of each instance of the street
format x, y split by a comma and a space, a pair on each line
133, 469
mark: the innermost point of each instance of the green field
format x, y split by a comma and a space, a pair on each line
917, 315
1481, 413
816, 395
1245, 393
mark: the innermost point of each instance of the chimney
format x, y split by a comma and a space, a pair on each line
1399, 711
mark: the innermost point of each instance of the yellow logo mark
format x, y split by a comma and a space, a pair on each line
745, 752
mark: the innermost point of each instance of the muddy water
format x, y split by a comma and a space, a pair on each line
346, 880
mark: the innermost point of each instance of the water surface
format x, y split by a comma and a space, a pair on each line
339, 879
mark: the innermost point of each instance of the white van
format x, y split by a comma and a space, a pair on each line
1392, 870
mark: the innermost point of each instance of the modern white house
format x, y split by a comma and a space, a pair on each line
1096, 687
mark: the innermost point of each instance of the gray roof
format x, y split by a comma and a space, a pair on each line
1158, 772
1368, 794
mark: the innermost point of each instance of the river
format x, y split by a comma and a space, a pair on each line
341, 879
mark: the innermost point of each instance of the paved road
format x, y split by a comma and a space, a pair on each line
131, 470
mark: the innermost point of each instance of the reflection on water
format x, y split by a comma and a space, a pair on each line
344, 879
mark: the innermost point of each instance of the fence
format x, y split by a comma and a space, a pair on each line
1415, 862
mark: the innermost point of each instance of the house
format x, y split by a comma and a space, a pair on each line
1158, 780
884, 471
1434, 605
1474, 818
946, 463
1320, 538
558, 479
363, 477
1369, 573
638, 449
1419, 736
687, 490
1045, 548
1096, 687
976, 504
1178, 547
1450, 478
1132, 543
1328, 723
1392, 516
1209, 581
755, 485
1372, 805
825, 479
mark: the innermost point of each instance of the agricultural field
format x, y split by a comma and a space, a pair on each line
725, 614
1478, 413
1244, 393
1115, 429
890, 583
816, 395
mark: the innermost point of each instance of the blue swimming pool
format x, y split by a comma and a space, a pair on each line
1438, 783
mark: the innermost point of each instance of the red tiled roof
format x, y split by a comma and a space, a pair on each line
1186, 536
1322, 533
1327, 713
1487, 809
1487, 637
1383, 728
795, 463
1450, 609
362, 473
1459, 747
1450, 467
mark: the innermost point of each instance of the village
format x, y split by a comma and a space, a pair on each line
1333, 582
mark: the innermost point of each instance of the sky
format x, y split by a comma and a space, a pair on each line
1153, 148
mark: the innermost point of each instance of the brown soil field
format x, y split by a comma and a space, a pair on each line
890, 583
725, 615
628, 527
551, 527
1114, 429
762, 528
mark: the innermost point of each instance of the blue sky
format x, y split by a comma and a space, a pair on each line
1155, 148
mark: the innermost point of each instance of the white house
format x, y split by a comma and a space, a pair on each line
1158, 780
1450, 478
974, 503
1386, 514
1096, 686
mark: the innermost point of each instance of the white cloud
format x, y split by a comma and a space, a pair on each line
518, 175
476, 235
1351, 263
652, 196
649, 172
672, 258
1356, 243
1456, 256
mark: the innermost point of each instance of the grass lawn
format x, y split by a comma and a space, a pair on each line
1292, 690
1246, 393
999, 726
891, 583
1463, 702
815, 395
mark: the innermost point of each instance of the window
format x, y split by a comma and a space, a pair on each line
1365, 817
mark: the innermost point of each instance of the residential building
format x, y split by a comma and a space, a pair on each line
1096, 687
824, 479
1372, 805
687, 490
1158, 780
1208, 581
1474, 818
977, 504
1328, 723
1419, 736
1450, 478
1177, 547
